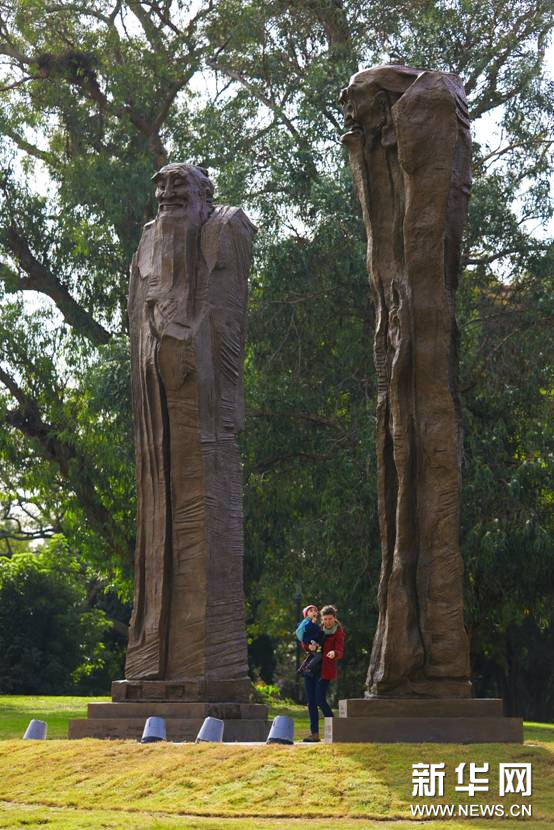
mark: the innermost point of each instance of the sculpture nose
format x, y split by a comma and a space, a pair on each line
343, 97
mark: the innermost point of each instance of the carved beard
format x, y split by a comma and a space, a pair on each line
172, 291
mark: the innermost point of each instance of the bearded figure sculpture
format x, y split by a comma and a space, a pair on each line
409, 145
187, 310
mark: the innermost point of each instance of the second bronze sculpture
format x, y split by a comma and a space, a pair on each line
409, 144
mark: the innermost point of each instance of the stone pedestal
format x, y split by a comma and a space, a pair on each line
183, 705
405, 720
207, 691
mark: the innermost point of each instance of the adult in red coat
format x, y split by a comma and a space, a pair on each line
333, 647
316, 685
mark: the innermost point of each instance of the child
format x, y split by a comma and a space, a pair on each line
307, 630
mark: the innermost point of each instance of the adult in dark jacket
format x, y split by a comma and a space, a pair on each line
316, 685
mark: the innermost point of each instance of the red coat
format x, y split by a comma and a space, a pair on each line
333, 642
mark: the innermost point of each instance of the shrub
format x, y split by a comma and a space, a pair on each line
49, 638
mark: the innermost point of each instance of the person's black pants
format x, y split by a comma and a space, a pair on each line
316, 695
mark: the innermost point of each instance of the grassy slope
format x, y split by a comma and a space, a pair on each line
77, 785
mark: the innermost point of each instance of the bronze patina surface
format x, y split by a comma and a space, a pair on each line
409, 144
187, 656
187, 316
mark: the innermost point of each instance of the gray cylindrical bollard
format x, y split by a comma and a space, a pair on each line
282, 731
36, 731
211, 731
154, 730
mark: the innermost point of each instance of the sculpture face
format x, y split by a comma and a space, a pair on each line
357, 101
366, 108
177, 189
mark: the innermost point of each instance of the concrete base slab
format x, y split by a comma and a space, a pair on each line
422, 720
178, 729
461, 730
401, 707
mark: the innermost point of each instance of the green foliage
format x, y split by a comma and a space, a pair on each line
270, 694
50, 639
508, 521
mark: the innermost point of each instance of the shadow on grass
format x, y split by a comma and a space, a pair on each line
543, 732
390, 766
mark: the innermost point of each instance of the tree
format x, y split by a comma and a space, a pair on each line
51, 640
96, 98
508, 518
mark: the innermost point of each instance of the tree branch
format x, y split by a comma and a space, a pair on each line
487, 260
301, 416
169, 98
19, 83
13, 387
165, 18
151, 31
87, 82
496, 154
264, 466
21, 535
28, 148
268, 102
74, 467
12, 52
80, 9
494, 59
41, 279
332, 17
500, 51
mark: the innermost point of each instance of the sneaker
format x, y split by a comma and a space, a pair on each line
312, 739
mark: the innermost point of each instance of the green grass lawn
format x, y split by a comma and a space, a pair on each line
88, 784
17, 710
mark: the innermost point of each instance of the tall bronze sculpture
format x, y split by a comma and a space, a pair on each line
187, 655
187, 308
409, 145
